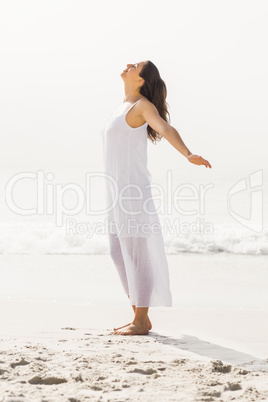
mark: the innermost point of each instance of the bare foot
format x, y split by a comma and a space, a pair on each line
132, 329
149, 325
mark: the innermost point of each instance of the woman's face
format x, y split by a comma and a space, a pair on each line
131, 73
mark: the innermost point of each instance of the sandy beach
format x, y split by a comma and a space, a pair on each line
73, 162
59, 348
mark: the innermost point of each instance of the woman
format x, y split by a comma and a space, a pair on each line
135, 237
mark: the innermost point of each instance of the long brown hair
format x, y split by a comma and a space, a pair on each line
155, 90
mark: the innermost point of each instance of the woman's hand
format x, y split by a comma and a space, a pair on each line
198, 160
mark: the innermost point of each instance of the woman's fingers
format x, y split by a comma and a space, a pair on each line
207, 164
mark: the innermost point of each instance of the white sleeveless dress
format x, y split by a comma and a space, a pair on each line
135, 235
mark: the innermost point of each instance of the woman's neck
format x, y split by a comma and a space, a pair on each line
131, 95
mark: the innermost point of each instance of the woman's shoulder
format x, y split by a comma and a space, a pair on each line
144, 103
143, 100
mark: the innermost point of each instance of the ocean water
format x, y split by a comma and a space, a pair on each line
62, 211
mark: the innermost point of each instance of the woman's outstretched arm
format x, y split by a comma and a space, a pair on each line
152, 117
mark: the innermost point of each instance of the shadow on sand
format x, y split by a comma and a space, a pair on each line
212, 351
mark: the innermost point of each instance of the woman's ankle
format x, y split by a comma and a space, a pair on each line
140, 322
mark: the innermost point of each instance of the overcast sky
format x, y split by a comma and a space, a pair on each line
60, 78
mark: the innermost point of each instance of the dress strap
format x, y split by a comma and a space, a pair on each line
132, 105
